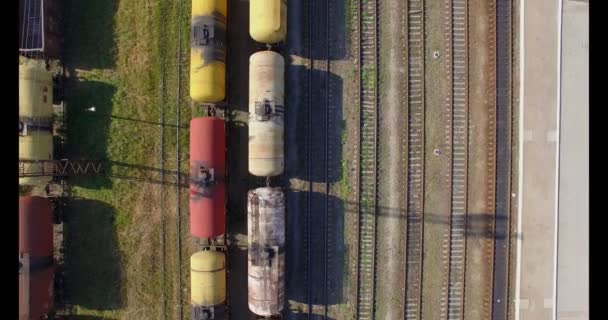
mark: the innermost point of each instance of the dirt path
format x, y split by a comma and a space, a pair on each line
437, 175
392, 110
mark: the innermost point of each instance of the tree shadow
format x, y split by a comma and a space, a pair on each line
90, 45
240, 47
313, 148
306, 214
92, 260
478, 225
237, 279
298, 29
87, 131
313, 125
141, 173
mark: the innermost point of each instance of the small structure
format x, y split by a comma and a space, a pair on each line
39, 28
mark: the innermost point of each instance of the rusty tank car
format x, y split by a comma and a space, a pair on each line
208, 51
266, 114
266, 251
35, 258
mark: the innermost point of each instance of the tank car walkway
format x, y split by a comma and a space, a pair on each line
539, 277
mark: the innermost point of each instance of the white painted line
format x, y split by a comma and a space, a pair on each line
558, 128
528, 135
520, 187
552, 135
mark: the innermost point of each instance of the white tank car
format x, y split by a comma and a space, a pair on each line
266, 251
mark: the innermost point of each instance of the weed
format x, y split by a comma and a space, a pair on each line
368, 77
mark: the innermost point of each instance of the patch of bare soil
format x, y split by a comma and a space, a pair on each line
437, 181
391, 223
478, 277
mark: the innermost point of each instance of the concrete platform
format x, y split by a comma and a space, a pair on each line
553, 150
573, 227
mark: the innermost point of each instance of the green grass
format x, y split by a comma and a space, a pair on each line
24, 190
344, 187
368, 77
343, 183
113, 54
350, 12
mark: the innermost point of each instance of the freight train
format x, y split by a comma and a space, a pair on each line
266, 206
208, 160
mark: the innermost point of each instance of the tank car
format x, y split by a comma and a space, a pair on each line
266, 113
208, 51
207, 177
35, 116
266, 251
35, 258
208, 285
268, 20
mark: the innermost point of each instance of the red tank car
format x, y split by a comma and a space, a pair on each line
35, 257
207, 177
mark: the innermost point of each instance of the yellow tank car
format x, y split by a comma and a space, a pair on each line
35, 117
268, 20
266, 111
208, 285
208, 51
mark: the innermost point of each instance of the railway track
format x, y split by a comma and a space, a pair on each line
319, 157
459, 160
308, 278
367, 166
503, 157
331, 160
491, 164
161, 160
177, 164
415, 156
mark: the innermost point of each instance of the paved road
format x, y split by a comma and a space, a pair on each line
538, 193
573, 232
